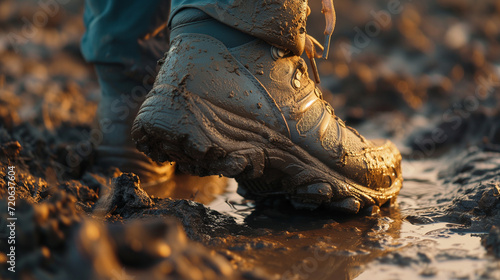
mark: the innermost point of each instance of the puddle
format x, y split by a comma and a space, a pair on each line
451, 253
312, 246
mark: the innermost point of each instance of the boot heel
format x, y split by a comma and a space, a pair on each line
179, 126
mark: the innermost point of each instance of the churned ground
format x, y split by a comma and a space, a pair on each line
424, 74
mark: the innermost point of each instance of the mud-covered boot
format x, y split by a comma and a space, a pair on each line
240, 103
121, 98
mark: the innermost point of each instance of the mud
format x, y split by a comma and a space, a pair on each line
56, 241
428, 81
260, 20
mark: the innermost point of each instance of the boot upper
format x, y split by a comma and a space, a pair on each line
311, 120
264, 83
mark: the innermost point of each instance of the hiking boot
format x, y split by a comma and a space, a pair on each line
121, 98
249, 110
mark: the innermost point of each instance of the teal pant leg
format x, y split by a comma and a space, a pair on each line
124, 39
130, 33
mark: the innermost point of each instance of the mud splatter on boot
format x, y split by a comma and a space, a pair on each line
251, 112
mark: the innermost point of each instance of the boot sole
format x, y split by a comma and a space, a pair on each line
203, 139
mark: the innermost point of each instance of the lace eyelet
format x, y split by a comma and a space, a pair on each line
277, 53
296, 83
296, 79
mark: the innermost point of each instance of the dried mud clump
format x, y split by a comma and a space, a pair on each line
146, 249
492, 241
92, 226
42, 231
56, 241
127, 196
478, 208
200, 223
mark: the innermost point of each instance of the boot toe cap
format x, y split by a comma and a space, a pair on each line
377, 167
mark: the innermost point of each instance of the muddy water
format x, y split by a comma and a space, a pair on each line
427, 248
403, 241
311, 245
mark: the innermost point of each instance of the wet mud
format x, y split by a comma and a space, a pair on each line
428, 81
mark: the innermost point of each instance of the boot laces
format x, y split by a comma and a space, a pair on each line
312, 45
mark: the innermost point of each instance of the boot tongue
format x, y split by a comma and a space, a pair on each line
195, 21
